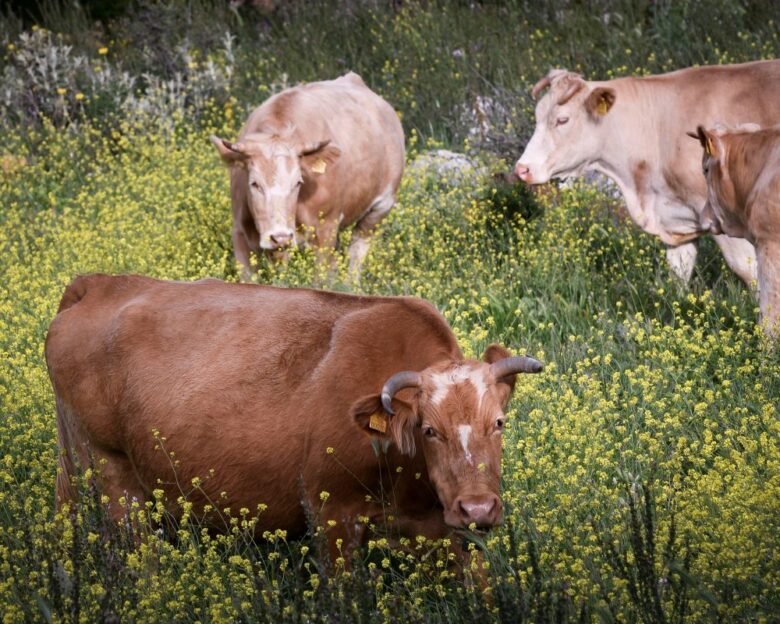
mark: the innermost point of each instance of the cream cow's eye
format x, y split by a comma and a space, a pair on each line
561, 120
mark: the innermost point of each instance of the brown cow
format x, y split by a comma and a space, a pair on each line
633, 130
742, 170
309, 162
258, 383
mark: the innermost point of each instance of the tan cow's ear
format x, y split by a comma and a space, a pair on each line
600, 101
710, 141
230, 152
317, 157
506, 387
398, 428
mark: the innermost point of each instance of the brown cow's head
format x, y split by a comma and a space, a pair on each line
277, 166
569, 127
455, 412
718, 213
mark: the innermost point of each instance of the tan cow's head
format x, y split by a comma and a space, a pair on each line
722, 188
455, 412
277, 167
567, 137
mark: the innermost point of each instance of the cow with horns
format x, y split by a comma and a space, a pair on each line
284, 394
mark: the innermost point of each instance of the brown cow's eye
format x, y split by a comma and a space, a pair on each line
500, 424
429, 432
561, 120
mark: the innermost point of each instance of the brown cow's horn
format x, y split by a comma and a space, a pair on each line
404, 379
513, 365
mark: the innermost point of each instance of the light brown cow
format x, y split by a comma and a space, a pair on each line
742, 169
258, 383
310, 161
633, 130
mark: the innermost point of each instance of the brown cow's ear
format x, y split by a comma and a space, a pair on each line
318, 156
506, 386
230, 152
600, 101
371, 417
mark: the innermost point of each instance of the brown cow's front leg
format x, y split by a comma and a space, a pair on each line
432, 527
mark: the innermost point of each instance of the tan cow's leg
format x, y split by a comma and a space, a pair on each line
740, 255
241, 251
768, 254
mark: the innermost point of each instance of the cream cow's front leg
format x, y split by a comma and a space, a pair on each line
682, 259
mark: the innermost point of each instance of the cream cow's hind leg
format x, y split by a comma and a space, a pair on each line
364, 230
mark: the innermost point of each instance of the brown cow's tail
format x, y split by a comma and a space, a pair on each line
66, 468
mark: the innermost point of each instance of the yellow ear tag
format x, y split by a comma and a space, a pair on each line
602, 107
378, 423
708, 147
319, 166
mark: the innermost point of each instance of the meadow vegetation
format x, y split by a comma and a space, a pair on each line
641, 471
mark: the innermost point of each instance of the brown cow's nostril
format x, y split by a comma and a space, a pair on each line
484, 511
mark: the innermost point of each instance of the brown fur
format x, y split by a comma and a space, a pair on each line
742, 170
256, 383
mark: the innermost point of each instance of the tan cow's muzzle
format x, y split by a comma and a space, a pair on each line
484, 510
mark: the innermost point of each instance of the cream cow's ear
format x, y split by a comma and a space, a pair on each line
600, 101
316, 157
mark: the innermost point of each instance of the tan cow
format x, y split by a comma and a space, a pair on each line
258, 383
633, 130
742, 170
309, 162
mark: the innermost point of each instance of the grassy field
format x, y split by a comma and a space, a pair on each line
641, 471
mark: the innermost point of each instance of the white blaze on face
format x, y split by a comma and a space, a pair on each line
442, 382
464, 432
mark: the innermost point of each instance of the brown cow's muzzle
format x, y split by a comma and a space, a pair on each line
484, 510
